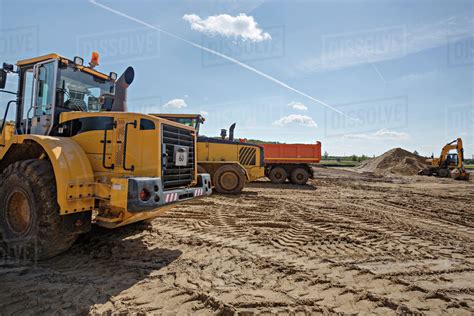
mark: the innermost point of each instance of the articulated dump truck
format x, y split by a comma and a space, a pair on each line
73, 156
230, 163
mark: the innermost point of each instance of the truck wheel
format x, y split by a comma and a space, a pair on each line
229, 179
299, 176
29, 213
278, 175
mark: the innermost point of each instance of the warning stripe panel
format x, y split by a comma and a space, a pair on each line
245, 152
251, 158
171, 197
247, 156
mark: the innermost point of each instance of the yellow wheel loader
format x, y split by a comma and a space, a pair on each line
230, 163
448, 164
73, 156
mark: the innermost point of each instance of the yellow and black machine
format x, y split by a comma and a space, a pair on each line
230, 163
74, 156
448, 164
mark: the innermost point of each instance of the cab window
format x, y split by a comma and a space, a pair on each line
45, 93
27, 89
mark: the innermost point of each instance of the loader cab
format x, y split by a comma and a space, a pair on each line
50, 85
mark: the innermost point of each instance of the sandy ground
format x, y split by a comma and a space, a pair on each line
348, 243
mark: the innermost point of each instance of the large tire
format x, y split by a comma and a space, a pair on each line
444, 173
278, 175
299, 176
426, 172
229, 179
30, 223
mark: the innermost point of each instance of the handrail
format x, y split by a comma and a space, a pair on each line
132, 167
9, 92
6, 112
105, 141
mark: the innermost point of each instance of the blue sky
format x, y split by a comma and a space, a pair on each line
388, 73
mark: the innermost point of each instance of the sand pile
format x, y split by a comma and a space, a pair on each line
395, 161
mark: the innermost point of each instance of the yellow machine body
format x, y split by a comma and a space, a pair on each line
213, 153
448, 164
119, 165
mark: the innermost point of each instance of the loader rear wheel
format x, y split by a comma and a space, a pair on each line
278, 175
299, 176
30, 223
229, 179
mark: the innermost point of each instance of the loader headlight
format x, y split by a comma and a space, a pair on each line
144, 195
78, 61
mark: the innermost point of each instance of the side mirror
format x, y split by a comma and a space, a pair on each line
106, 102
8, 67
3, 78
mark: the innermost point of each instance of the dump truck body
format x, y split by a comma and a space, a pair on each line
291, 161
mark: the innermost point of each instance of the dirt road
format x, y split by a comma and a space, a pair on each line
347, 243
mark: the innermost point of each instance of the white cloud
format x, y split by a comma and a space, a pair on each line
382, 134
204, 113
298, 106
242, 25
381, 44
175, 104
414, 77
296, 119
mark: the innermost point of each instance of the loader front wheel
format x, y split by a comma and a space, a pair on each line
30, 224
229, 179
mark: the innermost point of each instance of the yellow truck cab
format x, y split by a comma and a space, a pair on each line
230, 163
74, 155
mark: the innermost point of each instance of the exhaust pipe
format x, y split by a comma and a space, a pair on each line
231, 132
121, 86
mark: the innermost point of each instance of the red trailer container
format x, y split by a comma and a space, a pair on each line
291, 161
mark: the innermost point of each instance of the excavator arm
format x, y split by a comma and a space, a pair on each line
460, 150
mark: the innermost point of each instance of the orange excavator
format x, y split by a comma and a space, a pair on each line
448, 164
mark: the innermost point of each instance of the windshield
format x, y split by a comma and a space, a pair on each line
81, 91
188, 121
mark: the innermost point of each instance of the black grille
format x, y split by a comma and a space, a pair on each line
177, 176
